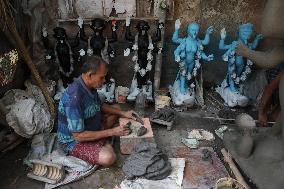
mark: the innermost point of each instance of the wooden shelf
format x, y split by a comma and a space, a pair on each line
119, 19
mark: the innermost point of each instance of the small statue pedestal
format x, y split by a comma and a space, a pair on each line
179, 99
231, 98
146, 90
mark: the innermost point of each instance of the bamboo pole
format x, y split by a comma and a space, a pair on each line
233, 167
159, 56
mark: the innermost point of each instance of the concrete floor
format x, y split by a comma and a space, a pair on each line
13, 173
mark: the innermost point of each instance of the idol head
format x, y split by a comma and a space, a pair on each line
245, 31
142, 27
193, 30
98, 25
59, 34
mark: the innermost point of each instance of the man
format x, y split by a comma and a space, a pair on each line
84, 122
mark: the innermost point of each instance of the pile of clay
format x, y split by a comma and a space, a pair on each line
166, 114
147, 161
138, 130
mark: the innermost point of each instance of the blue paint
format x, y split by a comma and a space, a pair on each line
238, 66
188, 53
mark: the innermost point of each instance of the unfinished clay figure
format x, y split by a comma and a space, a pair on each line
137, 130
143, 56
188, 55
239, 67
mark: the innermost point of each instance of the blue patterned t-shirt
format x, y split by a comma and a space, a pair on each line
79, 110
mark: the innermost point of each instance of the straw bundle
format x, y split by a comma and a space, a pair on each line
7, 21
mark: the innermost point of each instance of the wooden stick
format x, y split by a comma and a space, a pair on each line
229, 119
220, 104
14, 145
233, 167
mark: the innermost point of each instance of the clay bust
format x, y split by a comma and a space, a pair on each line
187, 55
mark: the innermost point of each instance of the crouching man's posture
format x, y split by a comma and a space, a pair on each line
84, 122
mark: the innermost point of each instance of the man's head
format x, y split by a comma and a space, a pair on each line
94, 71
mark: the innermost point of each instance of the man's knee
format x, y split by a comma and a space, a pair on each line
107, 156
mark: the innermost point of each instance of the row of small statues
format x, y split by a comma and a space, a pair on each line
188, 55
190, 52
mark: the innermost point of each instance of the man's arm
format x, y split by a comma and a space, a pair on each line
107, 109
265, 101
267, 59
86, 136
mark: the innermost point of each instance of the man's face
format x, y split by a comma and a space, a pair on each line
96, 80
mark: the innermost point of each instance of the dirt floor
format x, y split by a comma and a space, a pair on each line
13, 172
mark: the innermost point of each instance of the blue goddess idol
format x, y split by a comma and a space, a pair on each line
188, 55
239, 68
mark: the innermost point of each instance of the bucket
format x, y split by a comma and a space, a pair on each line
121, 94
228, 183
161, 101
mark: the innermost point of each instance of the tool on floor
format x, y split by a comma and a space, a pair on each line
46, 172
138, 118
164, 116
207, 156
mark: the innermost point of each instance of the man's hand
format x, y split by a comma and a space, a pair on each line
262, 119
120, 131
128, 114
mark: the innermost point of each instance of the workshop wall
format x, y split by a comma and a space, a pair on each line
218, 13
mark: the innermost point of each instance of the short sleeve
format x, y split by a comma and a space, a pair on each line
75, 118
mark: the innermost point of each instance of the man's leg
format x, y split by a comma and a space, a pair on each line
106, 156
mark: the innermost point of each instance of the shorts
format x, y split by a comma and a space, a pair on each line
88, 151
